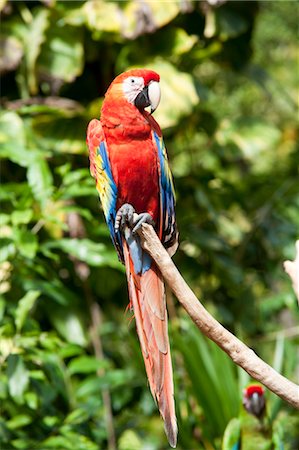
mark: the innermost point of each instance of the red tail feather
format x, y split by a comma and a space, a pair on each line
147, 295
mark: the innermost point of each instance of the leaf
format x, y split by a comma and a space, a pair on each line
61, 134
179, 95
40, 179
70, 324
26, 243
34, 39
54, 289
24, 306
86, 364
77, 416
62, 54
94, 254
89, 387
129, 440
18, 421
32, 400
130, 20
18, 377
21, 217
7, 251
68, 440
12, 138
101, 15
137, 18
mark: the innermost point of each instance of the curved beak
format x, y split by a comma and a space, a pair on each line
149, 96
154, 95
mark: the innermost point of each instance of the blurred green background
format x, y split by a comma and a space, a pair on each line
72, 374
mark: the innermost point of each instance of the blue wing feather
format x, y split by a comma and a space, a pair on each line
109, 203
167, 198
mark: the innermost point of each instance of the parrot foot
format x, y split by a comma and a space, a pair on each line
140, 219
124, 216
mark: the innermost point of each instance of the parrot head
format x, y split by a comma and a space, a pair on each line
254, 400
139, 87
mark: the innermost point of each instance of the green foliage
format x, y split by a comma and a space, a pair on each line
229, 97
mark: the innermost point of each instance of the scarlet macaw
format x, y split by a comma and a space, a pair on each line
128, 159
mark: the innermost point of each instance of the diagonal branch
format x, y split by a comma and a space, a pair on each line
242, 355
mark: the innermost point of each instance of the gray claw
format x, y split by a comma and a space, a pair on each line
124, 216
142, 218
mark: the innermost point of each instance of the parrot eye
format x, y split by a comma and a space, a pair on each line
132, 80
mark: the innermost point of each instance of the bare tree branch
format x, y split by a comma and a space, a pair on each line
236, 349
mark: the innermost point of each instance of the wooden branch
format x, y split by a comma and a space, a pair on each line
236, 349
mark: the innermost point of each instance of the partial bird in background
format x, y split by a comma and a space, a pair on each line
129, 162
252, 430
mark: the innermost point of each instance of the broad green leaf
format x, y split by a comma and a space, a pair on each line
12, 138
182, 42
77, 416
94, 254
163, 14
24, 306
137, 18
32, 400
69, 350
86, 364
34, 39
58, 442
18, 377
89, 387
8, 251
26, 243
130, 20
54, 289
18, 421
40, 179
62, 54
50, 421
129, 440
179, 95
70, 324
68, 440
61, 134
102, 16
21, 217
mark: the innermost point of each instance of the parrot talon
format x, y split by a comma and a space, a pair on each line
142, 218
124, 216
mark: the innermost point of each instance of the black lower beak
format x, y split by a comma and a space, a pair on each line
142, 99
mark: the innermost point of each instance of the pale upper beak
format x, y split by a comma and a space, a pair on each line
154, 95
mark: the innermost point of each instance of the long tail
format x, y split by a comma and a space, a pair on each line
147, 295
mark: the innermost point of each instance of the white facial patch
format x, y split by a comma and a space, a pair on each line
132, 86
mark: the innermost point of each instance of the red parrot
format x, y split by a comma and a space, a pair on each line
129, 162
